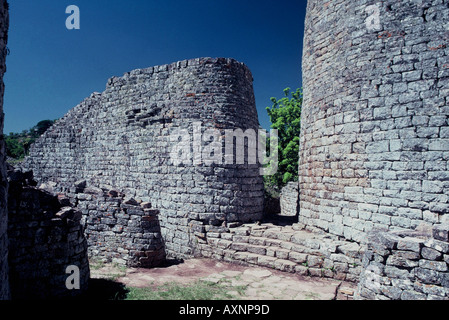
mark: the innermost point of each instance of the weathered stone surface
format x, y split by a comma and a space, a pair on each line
289, 199
45, 239
124, 140
413, 268
374, 117
441, 232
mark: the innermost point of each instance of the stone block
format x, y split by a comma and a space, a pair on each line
441, 232
410, 244
431, 254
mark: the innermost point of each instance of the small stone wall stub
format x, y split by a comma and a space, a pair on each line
118, 229
289, 199
409, 265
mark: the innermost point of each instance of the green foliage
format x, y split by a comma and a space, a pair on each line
42, 126
18, 144
285, 116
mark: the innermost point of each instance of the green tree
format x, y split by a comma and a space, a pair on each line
285, 116
18, 144
42, 126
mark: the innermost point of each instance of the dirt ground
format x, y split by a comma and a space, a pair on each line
259, 283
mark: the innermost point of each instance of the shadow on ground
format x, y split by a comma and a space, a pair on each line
279, 220
105, 289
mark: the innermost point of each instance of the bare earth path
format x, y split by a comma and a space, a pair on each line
259, 283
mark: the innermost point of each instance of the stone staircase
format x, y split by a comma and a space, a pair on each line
286, 248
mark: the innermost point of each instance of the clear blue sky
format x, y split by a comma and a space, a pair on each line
51, 69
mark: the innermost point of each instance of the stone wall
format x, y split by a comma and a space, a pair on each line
410, 265
45, 238
4, 288
123, 138
374, 140
289, 201
119, 229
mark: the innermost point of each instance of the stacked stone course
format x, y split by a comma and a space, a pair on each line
119, 229
411, 265
45, 238
374, 140
289, 248
289, 201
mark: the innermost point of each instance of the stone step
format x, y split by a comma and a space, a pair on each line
266, 261
288, 249
242, 242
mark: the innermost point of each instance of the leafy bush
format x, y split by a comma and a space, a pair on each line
285, 116
18, 144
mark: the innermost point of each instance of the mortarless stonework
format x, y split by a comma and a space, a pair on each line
289, 199
45, 238
375, 135
4, 287
120, 230
410, 265
120, 139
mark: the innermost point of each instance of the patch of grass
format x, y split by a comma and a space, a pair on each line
96, 264
199, 290
113, 272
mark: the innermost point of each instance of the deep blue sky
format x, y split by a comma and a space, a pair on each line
51, 69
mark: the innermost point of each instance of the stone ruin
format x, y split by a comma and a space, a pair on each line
122, 140
372, 197
45, 237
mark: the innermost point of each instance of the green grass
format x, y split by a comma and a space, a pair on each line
199, 290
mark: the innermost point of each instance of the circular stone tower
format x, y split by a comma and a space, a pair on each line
375, 136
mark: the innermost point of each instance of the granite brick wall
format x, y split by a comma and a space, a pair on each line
46, 238
118, 229
123, 139
374, 140
4, 287
410, 265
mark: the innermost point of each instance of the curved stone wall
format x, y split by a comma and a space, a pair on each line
124, 138
375, 134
